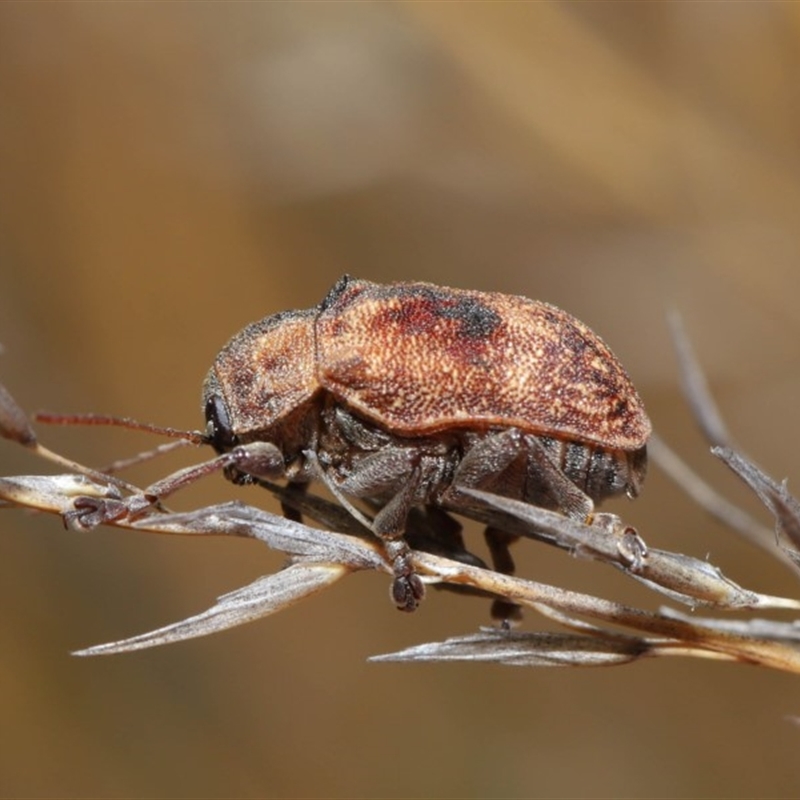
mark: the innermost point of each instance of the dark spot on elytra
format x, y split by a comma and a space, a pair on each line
578, 344
603, 384
478, 321
620, 409
551, 317
420, 309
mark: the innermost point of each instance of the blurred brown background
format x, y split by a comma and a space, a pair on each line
170, 172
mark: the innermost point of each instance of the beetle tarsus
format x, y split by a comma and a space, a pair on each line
407, 588
90, 512
407, 592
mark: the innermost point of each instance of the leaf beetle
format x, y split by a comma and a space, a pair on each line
404, 394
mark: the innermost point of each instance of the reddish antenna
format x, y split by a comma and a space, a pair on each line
182, 437
14, 425
49, 418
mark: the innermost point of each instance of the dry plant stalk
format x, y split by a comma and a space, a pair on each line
597, 631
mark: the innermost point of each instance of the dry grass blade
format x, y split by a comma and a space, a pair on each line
528, 649
55, 494
694, 638
297, 540
775, 496
546, 650
784, 507
695, 386
785, 632
261, 598
709, 498
14, 424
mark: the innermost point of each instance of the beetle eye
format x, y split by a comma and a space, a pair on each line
219, 432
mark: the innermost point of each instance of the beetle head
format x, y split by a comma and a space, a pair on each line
259, 379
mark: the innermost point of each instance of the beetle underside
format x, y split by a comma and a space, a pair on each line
357, 458
400, 473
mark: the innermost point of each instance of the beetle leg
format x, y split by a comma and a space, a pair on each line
431, 529
499, 542
390, 525
485, 462
374, 476
486, 465
253, 460
489, 464
379, 472
237, 465
544, 474
289, 511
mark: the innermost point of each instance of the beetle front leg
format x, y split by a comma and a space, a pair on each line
256, 458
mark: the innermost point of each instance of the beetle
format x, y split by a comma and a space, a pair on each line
406, 394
